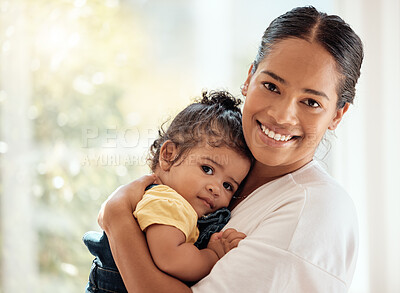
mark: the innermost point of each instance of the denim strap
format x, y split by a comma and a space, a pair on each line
106, 280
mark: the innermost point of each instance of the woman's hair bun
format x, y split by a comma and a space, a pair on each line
221, 98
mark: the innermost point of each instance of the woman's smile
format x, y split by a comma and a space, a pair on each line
274, 139
275, 136
279, 135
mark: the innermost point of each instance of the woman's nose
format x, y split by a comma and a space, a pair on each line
284, 111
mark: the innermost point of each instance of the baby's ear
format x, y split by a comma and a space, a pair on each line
168, 153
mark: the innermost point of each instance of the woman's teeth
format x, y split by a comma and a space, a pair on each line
275, 136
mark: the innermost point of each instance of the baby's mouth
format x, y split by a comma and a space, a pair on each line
208, 202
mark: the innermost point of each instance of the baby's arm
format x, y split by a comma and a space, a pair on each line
177, 258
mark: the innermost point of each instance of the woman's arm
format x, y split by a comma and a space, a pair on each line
128, 244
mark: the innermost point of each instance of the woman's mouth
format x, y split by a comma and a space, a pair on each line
275, 136
278, 137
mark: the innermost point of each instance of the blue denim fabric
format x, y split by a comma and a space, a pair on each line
210, 224
104, 276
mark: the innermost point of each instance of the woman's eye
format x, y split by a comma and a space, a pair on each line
208, 170
228, 186
271, 87
312, 103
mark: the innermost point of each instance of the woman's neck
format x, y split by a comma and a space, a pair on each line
259, 175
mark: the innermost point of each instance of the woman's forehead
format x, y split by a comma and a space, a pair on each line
297, 62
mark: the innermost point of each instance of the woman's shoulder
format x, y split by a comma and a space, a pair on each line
311, 183
329, 220
320, 188
312, 173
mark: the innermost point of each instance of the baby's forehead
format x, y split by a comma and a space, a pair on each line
220, 155
211, 148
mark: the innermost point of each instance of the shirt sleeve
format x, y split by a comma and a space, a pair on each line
167, 211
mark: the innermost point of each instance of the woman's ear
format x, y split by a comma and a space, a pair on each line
168, 153
246, 83
338, 117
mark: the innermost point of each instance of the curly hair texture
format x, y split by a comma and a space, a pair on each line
214, 119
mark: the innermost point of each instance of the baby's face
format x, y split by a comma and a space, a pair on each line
208, 177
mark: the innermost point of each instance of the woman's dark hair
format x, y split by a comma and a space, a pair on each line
214, 119
331, 32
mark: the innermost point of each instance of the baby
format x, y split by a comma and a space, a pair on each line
200, 160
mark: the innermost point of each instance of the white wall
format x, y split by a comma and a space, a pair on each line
366, 156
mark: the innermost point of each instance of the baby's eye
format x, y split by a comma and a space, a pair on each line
312, 103
271, 87
228, 186
207, 169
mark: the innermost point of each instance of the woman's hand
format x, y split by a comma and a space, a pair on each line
224, 241
124, 198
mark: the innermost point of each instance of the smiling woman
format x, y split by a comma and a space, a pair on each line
301, 225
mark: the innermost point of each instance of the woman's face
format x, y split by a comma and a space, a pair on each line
290, 103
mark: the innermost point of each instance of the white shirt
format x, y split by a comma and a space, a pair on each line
302, 236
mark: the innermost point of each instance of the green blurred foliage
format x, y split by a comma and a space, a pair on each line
86, 58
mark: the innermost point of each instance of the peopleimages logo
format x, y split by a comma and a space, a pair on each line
114, 137
114, 159
115, 146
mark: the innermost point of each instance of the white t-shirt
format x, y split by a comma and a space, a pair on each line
302, 236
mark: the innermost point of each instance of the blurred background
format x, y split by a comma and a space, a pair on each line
84, 85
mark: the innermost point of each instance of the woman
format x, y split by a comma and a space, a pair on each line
301, 226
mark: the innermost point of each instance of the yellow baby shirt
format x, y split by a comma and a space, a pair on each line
163, 205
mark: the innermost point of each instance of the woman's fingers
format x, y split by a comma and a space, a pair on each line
135, 189
142, 182
126, 196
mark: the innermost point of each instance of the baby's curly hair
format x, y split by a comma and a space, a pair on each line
214, 119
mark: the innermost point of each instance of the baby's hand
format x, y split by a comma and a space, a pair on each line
224, 241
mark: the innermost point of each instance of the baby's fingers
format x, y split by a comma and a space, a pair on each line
234, 243
231, 234
231, 238
216, 236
